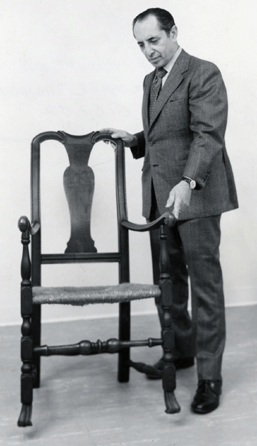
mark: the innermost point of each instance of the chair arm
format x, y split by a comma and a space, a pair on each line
25, 225
165, 219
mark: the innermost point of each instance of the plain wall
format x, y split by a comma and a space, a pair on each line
73, 65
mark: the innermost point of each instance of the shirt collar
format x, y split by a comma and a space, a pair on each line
170, 64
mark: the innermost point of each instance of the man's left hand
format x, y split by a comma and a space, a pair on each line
179, 198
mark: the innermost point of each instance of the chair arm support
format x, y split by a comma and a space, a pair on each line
166, 219
25, 225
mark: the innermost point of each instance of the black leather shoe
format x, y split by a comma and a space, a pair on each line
180, 363
207, 396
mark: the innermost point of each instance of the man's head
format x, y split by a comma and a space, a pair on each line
156, 35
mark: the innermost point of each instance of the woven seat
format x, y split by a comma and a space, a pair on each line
79, 185
124, 292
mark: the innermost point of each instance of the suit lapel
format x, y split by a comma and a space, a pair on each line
147, 86
174, 80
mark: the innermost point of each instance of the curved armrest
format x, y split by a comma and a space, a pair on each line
25, 225
166, 219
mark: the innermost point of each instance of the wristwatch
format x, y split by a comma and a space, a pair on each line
192, 183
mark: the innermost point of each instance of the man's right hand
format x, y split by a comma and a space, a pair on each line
128, 139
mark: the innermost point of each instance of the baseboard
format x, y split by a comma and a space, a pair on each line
111, 315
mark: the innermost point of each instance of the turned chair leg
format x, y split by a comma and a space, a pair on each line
167, 332
168, 371
124, 335
26, 328
36, 336
27, 374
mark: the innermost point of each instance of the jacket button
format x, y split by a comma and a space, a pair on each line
155, 164
150, 143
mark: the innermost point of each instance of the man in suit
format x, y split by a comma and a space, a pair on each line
187, 169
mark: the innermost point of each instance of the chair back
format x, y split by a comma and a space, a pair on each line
79, 185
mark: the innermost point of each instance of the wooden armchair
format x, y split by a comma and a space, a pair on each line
79, 188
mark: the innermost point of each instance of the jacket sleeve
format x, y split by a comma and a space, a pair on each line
208, 109
138, 151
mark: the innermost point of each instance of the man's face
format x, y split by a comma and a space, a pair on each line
157, 46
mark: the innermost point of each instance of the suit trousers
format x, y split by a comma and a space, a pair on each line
193, 247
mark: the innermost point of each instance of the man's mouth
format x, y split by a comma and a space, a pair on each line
154, 59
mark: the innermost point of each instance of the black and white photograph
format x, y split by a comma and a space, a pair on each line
128, 301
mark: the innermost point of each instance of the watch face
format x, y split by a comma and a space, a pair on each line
192, 184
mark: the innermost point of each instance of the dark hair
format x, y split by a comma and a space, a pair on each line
165, 19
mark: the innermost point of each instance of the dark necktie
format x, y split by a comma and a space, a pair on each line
155, 89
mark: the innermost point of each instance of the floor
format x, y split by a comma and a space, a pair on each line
81, 403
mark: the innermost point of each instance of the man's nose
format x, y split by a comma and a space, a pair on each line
148, 50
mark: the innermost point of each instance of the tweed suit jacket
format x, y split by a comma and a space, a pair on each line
186, 137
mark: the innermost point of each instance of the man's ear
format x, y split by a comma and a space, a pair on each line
174, 33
